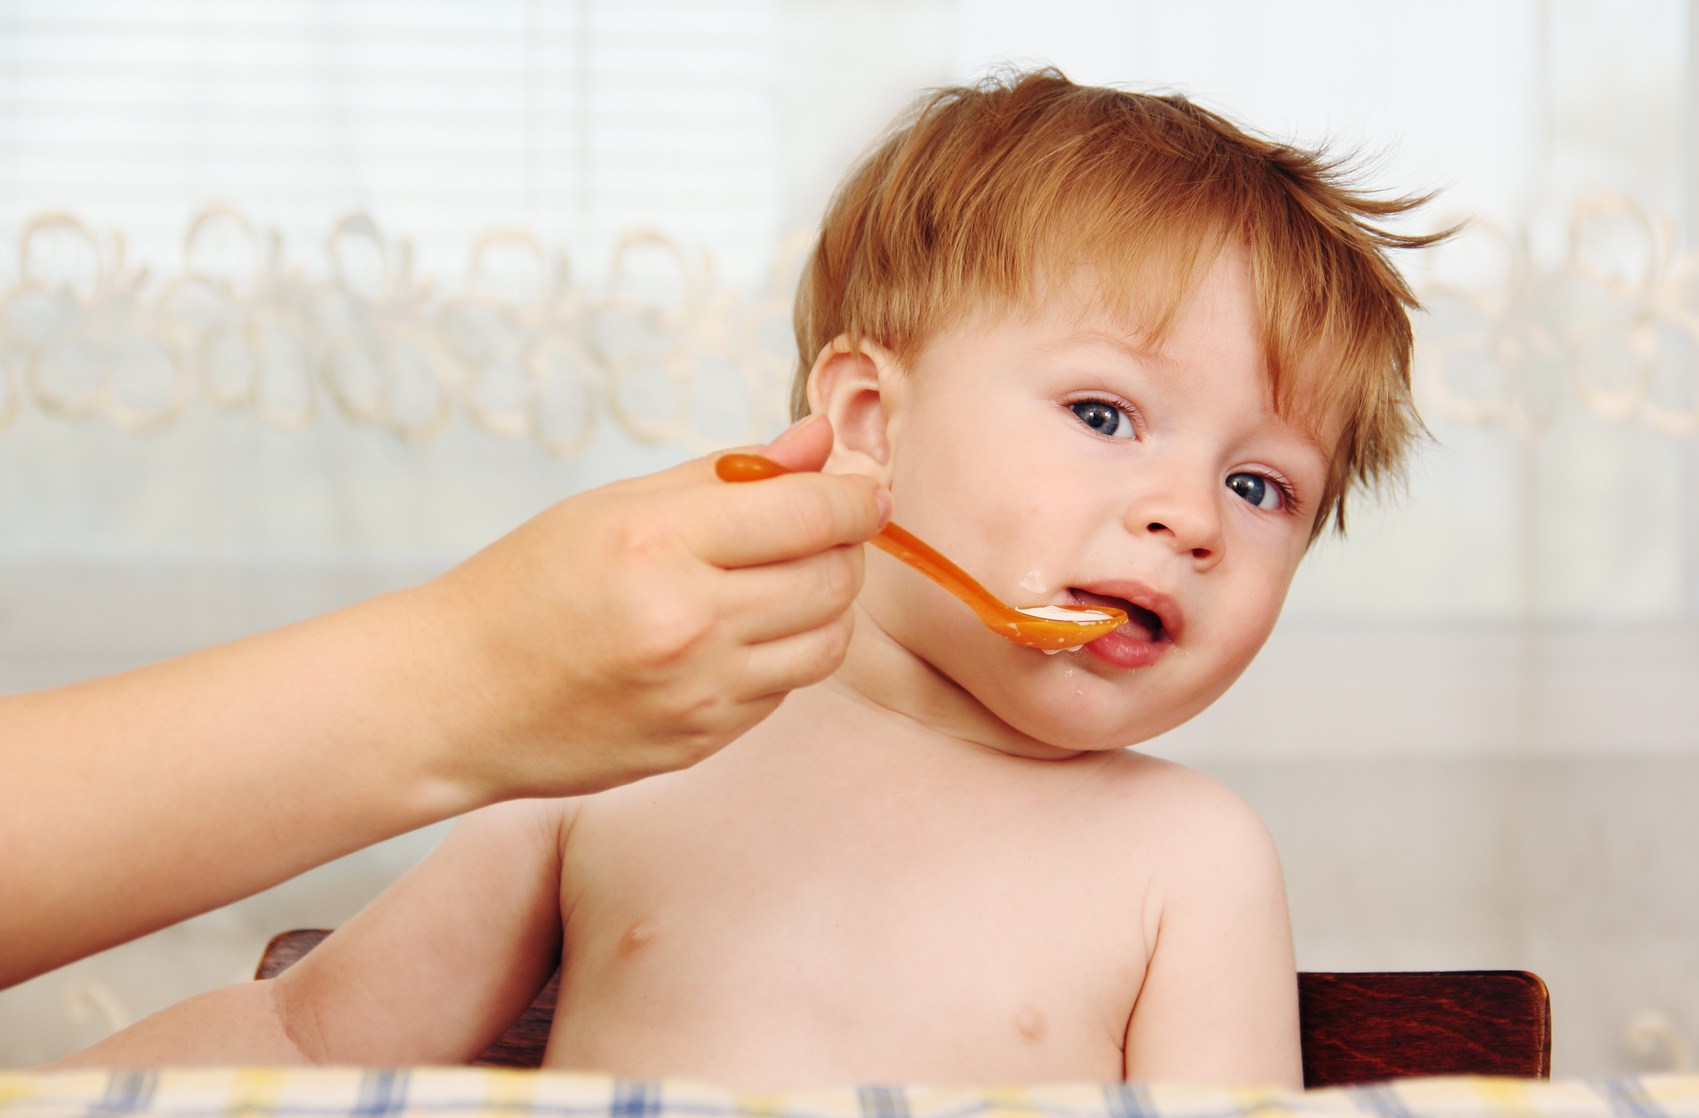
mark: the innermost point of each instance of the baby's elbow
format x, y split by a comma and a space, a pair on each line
294, 1018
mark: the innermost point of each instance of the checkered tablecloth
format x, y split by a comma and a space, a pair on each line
475, 1093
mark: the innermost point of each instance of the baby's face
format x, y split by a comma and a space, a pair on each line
1061, 461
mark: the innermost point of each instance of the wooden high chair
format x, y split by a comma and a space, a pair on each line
1354, 1027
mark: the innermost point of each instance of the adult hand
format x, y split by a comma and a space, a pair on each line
636, 628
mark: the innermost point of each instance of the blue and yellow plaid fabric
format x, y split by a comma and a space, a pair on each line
476, 1093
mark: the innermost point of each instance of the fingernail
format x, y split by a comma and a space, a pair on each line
886, 505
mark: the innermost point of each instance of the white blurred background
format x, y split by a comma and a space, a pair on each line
305, 299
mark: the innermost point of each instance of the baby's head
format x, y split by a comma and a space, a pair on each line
992, 196
1106, 349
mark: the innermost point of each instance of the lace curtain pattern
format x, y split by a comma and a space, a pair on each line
515, 345
1611, 326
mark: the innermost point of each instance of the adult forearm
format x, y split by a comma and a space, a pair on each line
137, 800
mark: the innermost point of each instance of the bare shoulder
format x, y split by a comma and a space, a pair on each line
1183, 803
1196, 841
1219, 997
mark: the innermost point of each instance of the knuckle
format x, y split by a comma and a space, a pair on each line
642, 541
832, 509
840, 633
701, 745
814, 519
718, 721
824, 651
864, 512
840, 578
662, 633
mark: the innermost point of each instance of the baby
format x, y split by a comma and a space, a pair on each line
1104, 349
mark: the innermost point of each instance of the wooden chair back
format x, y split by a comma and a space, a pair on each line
1374, 1025
1355, 1027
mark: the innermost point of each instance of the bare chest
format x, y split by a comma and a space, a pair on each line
792, 935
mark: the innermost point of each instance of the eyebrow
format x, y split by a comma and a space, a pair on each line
1133, 350
1123, 344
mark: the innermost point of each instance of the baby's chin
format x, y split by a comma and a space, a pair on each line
1063, 718
1048, 736
1016, 700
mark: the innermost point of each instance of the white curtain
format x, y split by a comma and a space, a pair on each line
311, 298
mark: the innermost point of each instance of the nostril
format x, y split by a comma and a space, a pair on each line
1201, 553
1156, 526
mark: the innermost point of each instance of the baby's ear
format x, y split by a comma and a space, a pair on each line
852, 384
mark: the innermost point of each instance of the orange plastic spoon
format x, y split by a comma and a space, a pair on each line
1021, 626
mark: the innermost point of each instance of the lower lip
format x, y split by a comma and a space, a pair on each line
1122, 649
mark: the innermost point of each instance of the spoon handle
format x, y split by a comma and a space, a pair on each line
1049, 633
917, 553
895, 540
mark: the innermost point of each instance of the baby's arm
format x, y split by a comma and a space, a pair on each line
1219, 1002
431, 972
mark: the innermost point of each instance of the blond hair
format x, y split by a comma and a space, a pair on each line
980, 191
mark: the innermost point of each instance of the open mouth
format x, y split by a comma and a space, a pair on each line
1138, 617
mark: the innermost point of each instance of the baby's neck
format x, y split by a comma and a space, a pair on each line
891, 683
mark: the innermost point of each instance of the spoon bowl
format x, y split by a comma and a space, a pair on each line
1044, 627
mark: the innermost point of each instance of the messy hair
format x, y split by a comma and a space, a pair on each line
980, 192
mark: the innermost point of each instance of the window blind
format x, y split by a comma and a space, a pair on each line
577, 119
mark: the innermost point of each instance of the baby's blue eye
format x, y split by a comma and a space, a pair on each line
1258, 490
1104, 418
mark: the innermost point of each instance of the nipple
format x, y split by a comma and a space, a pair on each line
1029, 1023
638, 935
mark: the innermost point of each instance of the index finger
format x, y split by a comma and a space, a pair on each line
787, 518
801, 448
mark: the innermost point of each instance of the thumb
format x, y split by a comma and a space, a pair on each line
803, 446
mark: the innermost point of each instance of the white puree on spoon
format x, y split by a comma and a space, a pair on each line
1060, 613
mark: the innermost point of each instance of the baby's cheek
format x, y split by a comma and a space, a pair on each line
1253, 623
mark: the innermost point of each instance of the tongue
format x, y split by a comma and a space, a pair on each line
1141, 623
1142, 619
